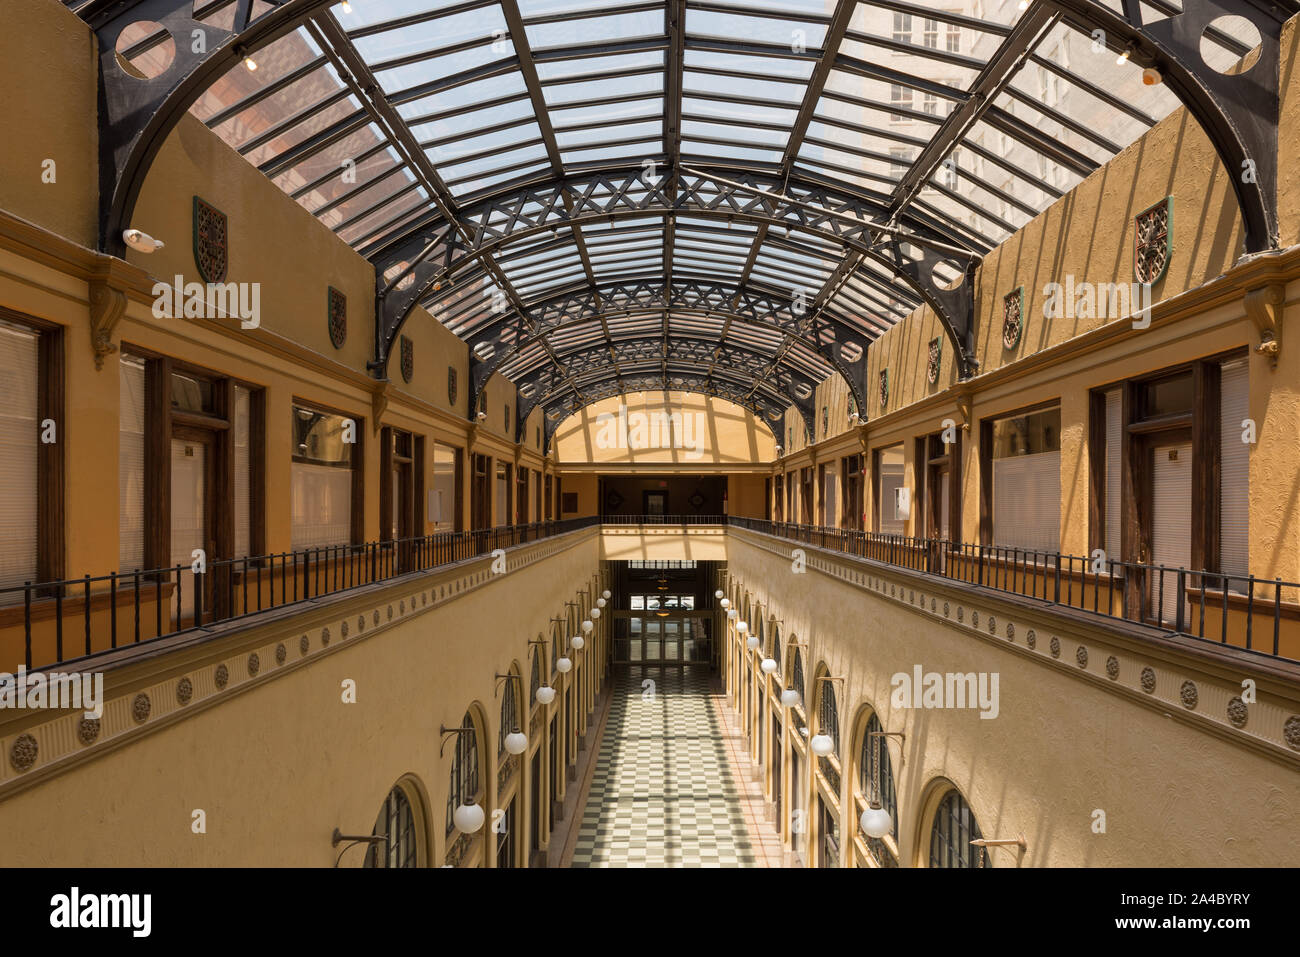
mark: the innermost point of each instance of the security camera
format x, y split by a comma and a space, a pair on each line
482, 416
779, 450
141, 241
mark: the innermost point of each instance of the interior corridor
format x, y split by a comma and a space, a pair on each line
666, 791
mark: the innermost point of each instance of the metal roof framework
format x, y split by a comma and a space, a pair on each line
735, 196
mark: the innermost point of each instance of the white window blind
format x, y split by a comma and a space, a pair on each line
1027, 501
891, 478
832, 494
1171, 524
130, 465
1114, 434
19, 438
322, 505
1234, 471
243, 473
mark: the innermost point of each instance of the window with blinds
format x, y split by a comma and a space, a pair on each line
442, 495
1234, 471
889, 478
243, 470
130, 464
321, 481
832, 499
1026, 454
1111, 542
19, 453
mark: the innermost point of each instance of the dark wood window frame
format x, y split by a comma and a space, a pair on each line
986, 460
162, 422
1138, 433
50, 466
358, 464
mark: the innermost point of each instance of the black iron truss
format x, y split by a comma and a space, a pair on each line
530, 177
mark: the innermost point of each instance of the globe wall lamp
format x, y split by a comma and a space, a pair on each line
545, 693
768, 665
720, 594
594, 613
732, 614
600, 603
577, 642
789, 698
468, 818
725, 603
875, 820
563, 665
588, 625
516, 741
606, 594
823, 744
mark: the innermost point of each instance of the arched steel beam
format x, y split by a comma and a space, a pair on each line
136, 114
558, 407
828, 335
1239, 113
735, 362
430, 255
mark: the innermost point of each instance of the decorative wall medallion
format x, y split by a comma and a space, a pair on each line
884, 388
336, 314
324, 636
1011, 632
1291, 732
1013, 312
254, 664
374, 617
304, 643
390, 612
1055, 645
1031, 638
407, 359
361, 623
401, 607
1238, 712
974, 619
221, 677
451, 385
343, 629
88, 730
1153, 236
1081, 656
22, 755
932, 605
141, 706
1148, 679
993, 625
1112, 667
961, 613
184, 691
945, 609
911, 598
211, 246
891, 590
1188, 694
281, 653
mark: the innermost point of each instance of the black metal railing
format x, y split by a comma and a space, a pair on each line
1256, 614
664, 519
62, 621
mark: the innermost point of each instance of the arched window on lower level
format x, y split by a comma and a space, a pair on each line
398, 823
797, 684
828, 723
535, 681
463, 788
951, 833
509, 713
876, 784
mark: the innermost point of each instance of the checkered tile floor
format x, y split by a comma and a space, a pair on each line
663, 793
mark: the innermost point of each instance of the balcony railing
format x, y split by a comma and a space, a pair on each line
49, 623
664, 519
1254, 614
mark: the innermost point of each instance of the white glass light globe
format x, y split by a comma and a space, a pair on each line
600, 603
733, 614
725, 603
719, 593
516, 742
876, 822
588, 625
468, 818
751, 642
742, 626
545, 695
577, 641
768, 665
789, 698
821, 745
595, 613
606, 593
563, 665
